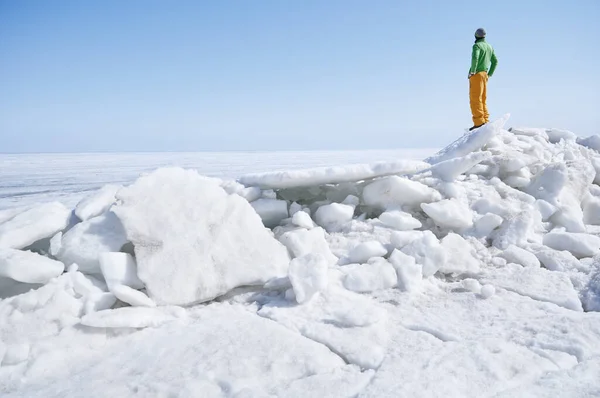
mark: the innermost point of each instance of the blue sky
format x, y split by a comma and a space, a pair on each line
292, 75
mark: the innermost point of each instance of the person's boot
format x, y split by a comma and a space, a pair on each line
475, 127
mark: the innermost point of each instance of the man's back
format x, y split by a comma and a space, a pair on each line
483, 58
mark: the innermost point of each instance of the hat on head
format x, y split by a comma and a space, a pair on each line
480, 33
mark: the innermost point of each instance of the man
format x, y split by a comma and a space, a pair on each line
483, 65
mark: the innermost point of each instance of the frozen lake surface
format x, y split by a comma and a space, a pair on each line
30, 178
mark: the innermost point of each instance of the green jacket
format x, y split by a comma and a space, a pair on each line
483, 58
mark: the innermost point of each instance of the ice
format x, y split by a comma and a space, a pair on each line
302, 241
515, 230
592, 142
557, 260
85, 242
469, 142
408, 271
193, 241
459, 256
7, 214
55, 244
399, 220
472, 285
133, 317
120, 269
449, 170
555, 135
427, 252
517, 255
28, 267
363, 278
365, 251
487, 223
271, 211
295, 207
97, 203
529, 131
308, 275
579, 244
219, 350
546, 209
487, 291
334, 215
471, 303
449, 213
331, 175
394, 192
591, 211
350, 325
302, 220
536, 283
39, 222
591, 292
131, 296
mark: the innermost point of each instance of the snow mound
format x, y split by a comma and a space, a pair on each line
193, 241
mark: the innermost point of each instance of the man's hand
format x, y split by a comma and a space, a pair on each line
470, 74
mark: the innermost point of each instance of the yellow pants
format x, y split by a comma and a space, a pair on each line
478, 96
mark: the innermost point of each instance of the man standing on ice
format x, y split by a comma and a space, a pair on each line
483, 65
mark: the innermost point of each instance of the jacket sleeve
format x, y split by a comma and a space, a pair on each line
493, 65
474, 59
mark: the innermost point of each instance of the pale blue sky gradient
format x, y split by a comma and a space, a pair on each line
285, 75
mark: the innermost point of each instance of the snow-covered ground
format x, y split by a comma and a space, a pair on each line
474, 272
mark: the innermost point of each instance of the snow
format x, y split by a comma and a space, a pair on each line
399, 220
580, 245
476, 266
469, 142
28, 267
460, 256
363, 278
97, 203
302, 220
308, 276
363, 252
517, 255
193, 241
427, 251
32, 225
449, 213
409, 273
133, 317
449, 170
271, 211
301, 242
85, 242
393, 192
333, 216
487, 223
487, 291
592, 142
536, 283
120, 269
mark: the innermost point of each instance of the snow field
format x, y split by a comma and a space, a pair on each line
404, 278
